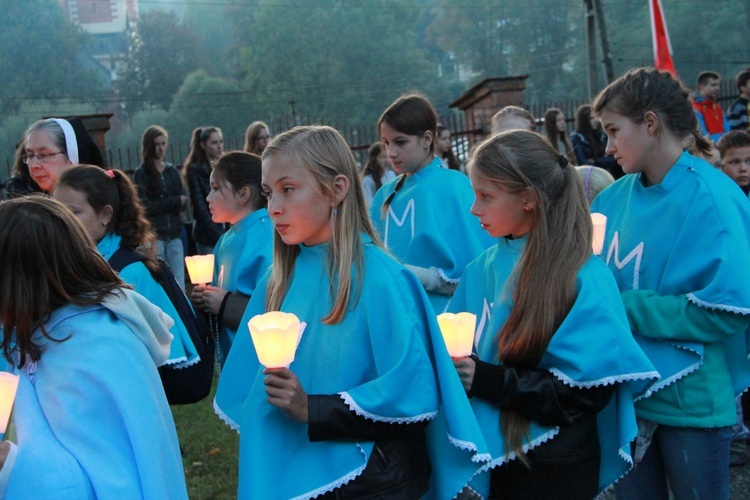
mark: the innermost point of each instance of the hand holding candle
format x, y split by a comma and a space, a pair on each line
600, 228
458, 332
275, 336
200, 268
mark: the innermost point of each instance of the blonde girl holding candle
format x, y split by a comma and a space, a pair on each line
348, 416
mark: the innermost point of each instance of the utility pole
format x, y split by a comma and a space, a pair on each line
292, 102
599, 13
591, 43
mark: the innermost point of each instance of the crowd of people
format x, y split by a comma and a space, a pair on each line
588, 369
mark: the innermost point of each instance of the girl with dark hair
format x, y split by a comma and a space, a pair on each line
377, 171
347, 418
54, 145
161, 191
423, 215
243, 253
556, 131
553, 376
444, 149
205, 150
256, 138
588, 143
90, 414
106, 203
677, 244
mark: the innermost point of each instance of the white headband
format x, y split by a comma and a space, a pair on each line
71, 143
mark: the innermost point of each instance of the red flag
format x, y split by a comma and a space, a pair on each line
660, 36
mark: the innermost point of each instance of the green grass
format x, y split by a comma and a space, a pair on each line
210, 450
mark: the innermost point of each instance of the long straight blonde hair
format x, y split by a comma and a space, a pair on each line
324, 153
543, 284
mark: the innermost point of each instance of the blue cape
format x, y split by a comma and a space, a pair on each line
688, 236
182, 350
597, 321
429, 223
382, 359
242, 256
91, 416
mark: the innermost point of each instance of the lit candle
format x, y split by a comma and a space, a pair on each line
200, 268
275, 335
458, 332
8, 386
600, 227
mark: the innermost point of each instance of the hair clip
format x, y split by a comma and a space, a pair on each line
563, 161
110, 174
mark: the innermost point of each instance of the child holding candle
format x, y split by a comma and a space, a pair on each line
244, 252
348, 416
555, 369
677, 244
91, 417
423, 215
106, 202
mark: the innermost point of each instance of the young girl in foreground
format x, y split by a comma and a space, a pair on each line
423, 215
552, 381
243, 253
348, 416
91, 417
677, 244
106, 202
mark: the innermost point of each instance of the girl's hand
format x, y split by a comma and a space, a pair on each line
285, 392
465, 368
196, 296
212, 299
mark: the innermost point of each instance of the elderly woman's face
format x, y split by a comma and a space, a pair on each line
45, 172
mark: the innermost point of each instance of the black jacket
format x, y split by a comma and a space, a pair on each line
205, 230
163, 209
398, 467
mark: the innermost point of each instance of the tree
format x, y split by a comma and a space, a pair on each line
205, 100
40, 55
161, 53
337, 60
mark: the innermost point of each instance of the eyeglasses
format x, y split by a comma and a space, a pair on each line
42, 157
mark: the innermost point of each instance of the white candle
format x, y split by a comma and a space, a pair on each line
600, 228
275, 335
200, 268
458, 332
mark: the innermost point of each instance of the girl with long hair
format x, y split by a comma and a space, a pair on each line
90, 413
553, 375
206, 147
677, 244
444, 149
556, 132
257, 136
347, 418
376, 172
244, 252
107, 204
161, 191
423, 215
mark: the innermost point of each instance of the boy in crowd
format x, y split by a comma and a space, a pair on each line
711, 119
738, 115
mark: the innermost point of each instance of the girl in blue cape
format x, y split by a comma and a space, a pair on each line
677, 244
348, 416
556, 367
423, 215
243, 253
90, 414
107, 204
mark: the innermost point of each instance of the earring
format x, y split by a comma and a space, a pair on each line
335, 211
104, 223
526, 208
